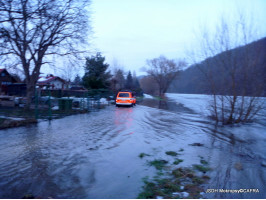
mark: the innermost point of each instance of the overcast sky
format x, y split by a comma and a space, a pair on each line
131, 31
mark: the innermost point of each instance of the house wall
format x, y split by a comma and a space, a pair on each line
57, 84
5, 80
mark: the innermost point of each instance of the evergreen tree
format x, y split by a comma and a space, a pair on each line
136, 84
119, 76
129, 81
96, 74
77, 80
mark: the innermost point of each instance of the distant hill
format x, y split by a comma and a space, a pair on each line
193, 80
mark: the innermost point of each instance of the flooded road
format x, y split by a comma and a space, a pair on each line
96, 155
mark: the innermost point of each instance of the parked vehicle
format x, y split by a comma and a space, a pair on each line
125, 98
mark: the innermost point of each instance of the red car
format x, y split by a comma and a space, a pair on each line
125, 99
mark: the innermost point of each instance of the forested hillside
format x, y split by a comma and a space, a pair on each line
196, 79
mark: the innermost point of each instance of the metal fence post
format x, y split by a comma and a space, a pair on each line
82, 103
88, 103
36, 103
98, 104
49, 102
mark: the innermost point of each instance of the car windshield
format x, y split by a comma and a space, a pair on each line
123, 95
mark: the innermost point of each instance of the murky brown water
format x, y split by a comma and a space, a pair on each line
95, 155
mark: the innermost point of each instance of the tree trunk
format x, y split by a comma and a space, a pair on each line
30, 93
31, 81
160, 91
230, 119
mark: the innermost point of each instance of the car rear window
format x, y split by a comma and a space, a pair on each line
123, 95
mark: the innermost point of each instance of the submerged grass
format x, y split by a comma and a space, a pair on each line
177, 161
204, 162
171, 153
201, 168
174, 183
160, 187
182, 182
141, 155
158, 164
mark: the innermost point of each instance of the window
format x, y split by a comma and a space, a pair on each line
6, 83
123, 94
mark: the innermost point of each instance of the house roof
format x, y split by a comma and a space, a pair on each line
48, 79
13, 77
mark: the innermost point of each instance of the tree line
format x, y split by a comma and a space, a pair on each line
161, 72
99, 76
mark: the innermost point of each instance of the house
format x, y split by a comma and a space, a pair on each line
17, 89
5, 80
52, 82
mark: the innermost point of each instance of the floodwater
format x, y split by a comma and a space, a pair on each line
95, 155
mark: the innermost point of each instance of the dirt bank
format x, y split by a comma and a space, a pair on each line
15, 122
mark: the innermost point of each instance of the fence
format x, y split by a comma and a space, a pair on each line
55, 103
51, 104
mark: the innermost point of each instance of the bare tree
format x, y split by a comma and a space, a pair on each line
235, 92
118, 76
118, 80
164, 71
149, 85
31, 30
